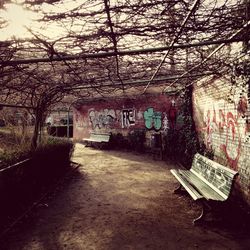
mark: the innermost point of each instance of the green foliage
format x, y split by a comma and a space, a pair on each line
118, 141
171, 144
188, 138
10, 157
136, 139
182, 144
13, 148
53, 152
24, 182
209, 153
13, 151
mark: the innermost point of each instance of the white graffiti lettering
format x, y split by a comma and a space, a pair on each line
128, 118
102, 119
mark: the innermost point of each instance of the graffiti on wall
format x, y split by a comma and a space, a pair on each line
128, 118
172, 115
229, 126
153, 119
102, 119
165, 123
212, 172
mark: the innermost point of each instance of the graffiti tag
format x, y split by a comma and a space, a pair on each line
211, 172
128, 118
226, 125
102, 119
152, 119
165, 123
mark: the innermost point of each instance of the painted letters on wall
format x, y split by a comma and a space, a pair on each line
225, 126
221, 112
152, 119
128, 118
102, 119
165, 123
123, 115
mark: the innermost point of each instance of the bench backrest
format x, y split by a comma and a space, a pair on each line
105, 137
217, 176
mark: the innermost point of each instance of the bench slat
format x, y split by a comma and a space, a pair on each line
207, 191
214, 174
96, 137
202, 159
210, 179
206, 179
191, 190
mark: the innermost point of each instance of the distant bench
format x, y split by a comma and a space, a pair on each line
97, 138
207, 181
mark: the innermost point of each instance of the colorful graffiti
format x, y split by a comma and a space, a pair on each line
128, 118
228, 126
172, 115
152, 119
102, 119
232, 145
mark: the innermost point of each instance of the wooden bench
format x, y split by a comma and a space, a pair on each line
206, 181
97, 138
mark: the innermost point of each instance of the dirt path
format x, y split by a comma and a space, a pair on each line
118, 200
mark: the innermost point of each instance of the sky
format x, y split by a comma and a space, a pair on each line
19, 19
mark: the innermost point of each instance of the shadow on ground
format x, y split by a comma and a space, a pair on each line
120, 200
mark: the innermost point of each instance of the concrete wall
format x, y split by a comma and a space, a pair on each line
152, 113
221, 113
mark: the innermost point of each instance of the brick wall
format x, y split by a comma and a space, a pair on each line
221, 113
151, 112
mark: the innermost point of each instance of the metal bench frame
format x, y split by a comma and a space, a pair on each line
207, 181
94, 137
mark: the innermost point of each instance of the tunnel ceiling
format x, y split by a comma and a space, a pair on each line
104, 48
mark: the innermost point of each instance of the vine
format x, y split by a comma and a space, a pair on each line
182, 144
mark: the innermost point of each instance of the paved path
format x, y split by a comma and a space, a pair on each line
118, 200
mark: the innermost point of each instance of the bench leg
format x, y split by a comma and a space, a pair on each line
205, 210
178, 189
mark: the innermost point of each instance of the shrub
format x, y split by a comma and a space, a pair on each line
136, 139
23, 183
13, 148
118, 141
182, 144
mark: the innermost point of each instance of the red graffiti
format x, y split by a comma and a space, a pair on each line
228, 125
214, 117
233, 141
172, 115
222, 119
209, 131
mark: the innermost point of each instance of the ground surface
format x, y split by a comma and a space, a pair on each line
119, 200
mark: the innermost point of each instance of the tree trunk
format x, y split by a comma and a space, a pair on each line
38, 123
